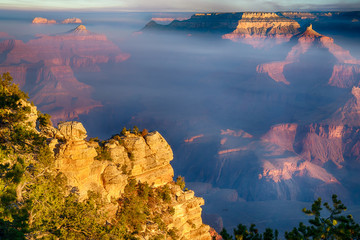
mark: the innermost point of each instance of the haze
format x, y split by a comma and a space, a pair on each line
227, 122
182, 5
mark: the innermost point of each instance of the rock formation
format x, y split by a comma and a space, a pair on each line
301, 15
41, 20
254, 28
71, 20
145, 159
214, 23
343, 74
349, 114
45, 67
289, 162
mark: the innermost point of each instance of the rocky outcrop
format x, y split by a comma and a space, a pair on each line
71, 20
41, 20
144, 158
147, 159
254, 28
187, 216
75, 157
44, 67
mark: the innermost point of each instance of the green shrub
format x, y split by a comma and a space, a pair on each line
44, 119
180, 181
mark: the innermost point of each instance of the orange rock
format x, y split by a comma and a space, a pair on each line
255, 28
40, 20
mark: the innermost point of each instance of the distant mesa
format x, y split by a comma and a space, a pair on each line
41, 20
329, 14
249, 27
215, 23
167, 19
71, 20
254, 28
301, 15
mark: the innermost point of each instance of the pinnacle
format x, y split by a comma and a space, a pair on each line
80, 28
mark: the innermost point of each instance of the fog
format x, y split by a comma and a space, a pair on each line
184, 85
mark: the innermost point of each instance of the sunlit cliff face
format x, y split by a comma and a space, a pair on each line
255, 28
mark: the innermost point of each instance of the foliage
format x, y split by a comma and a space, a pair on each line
34, 199
142, 205
94, 139
135, 130
144, 132
181, 182
22, 153
103, 154
37, 203
44, 119
225, 235
123, 131
335, 226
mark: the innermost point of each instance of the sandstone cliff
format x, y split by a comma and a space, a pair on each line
45, 67
254, 28
132, 156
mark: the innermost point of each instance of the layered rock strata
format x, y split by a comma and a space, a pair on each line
143, 158
254, 28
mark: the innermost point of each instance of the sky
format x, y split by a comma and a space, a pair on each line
182, 5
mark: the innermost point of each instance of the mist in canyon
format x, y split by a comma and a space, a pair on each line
257, 144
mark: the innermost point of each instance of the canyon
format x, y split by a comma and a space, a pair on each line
258, 108
314, 154
44, 67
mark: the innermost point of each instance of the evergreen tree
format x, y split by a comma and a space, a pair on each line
334, 226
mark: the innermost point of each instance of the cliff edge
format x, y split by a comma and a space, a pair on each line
107, 168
